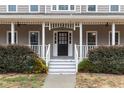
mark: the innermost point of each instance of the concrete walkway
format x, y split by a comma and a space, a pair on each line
60, 81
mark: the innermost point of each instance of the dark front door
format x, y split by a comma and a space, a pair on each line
62, 43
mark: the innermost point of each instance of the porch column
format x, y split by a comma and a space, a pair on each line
113, 33
43, 40
81, 40
12, 33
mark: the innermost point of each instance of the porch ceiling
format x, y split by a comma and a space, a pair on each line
38, 19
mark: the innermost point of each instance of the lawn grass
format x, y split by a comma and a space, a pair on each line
22, 80
93, 80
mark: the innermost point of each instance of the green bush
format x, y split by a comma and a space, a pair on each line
20, 59
107, 59
85, 66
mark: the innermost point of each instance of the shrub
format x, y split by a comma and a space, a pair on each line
84, 66
107, 59
20, 59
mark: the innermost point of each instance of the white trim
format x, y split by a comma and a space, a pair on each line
114, 11
87, 36
7, 9
91, 11
29, 35
7, 34
118, 37
57, 8
34, 11
55, 53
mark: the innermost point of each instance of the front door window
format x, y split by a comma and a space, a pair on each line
91, 38
62, 43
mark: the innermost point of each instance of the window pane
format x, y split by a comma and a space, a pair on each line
34, 8
54, 7
71, 7
34, 38
63, 7
91, 7
92, 38
114, 8
11, 7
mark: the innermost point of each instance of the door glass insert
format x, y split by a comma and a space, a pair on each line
62, 43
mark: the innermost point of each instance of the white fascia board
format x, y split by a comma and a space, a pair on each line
61, 2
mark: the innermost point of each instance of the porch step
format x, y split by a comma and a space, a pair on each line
60, 66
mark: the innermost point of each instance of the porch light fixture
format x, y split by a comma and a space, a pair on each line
107, 24
18, 24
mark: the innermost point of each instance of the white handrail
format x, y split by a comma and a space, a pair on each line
76, 58
48, 55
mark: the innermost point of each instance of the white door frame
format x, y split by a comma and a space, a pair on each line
87, 36
55, 43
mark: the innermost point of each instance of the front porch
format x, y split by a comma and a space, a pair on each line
62, 42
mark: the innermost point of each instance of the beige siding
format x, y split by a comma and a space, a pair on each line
42, 8
121, 8
83, 8
23, 8
3, 8
103, 8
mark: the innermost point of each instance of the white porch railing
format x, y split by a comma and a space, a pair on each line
48, 55
38, 49
85, 49
76, 57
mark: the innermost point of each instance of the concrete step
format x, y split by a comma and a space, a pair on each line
62, 66
61, 69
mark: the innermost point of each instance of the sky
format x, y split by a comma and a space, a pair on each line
57, 2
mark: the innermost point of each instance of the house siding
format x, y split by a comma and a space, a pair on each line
23, 8
3, 9
103, 8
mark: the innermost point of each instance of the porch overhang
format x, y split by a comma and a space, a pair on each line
85, 19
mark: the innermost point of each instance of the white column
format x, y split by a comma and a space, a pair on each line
12, 33
113, 33
81, 40
43, 40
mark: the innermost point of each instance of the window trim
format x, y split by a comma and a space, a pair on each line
57, 8
7, 6
91, 11
87, 37
114, 11
8, 37
30, 36
34, 11
118, 37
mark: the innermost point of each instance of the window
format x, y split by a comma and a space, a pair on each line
34, 8
117, 38
114, 8
63, 7
71, 7
34, 38
12, 8
9, 37
54, 7
91, 7
91, 38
